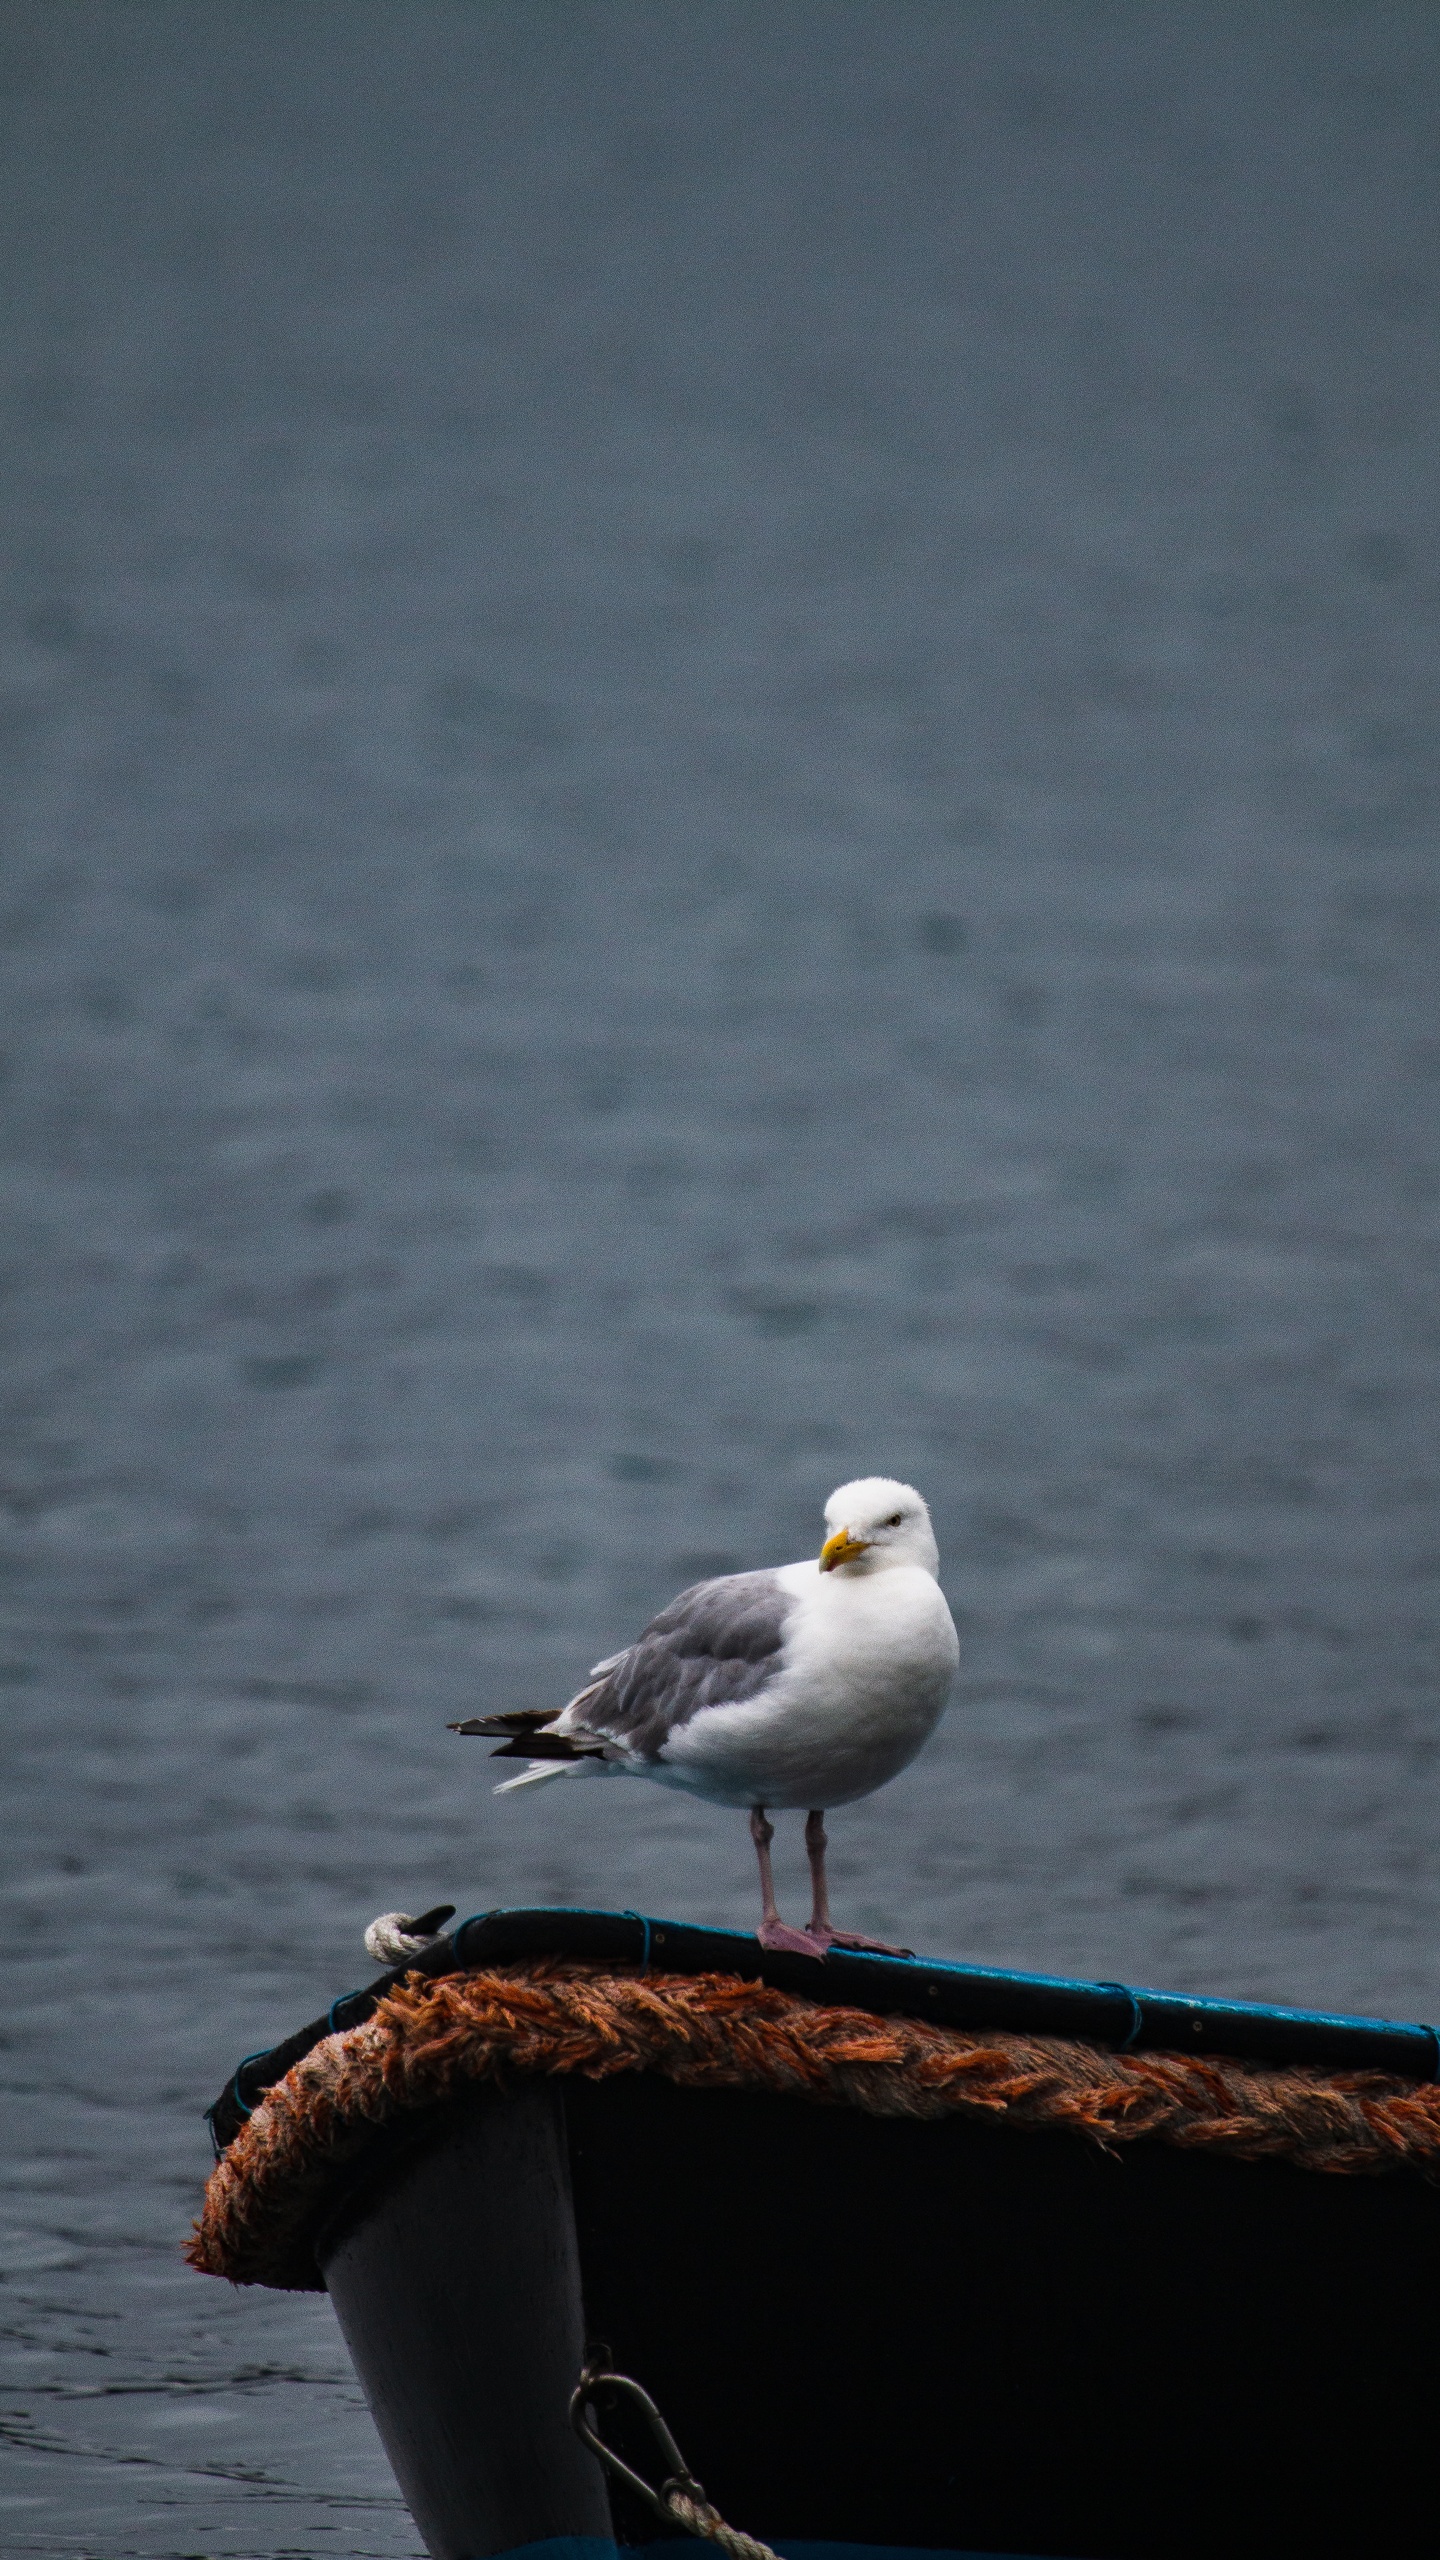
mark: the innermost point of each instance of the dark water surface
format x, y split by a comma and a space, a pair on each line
721, 745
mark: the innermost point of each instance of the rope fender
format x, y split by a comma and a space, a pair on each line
431, 2037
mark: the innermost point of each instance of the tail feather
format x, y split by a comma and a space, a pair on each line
538, 1772
514, 1720
529, 1736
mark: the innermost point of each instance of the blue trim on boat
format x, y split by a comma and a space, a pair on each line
1127, 2017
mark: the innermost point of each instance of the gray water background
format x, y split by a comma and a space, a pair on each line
721, 739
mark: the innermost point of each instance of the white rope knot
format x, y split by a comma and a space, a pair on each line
395, 1936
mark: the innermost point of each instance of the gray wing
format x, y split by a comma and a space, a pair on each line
717, 1645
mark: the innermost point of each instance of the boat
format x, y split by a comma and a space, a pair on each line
890, 2254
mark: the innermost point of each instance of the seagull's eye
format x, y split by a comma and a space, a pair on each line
894, 1520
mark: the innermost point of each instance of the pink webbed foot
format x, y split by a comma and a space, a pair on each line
781, 1939
864, 1946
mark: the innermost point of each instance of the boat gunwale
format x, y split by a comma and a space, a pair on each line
1121, 2017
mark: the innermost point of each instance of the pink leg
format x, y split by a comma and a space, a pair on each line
821, 1930
773, 1931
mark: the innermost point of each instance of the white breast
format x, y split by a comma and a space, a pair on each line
862, 1681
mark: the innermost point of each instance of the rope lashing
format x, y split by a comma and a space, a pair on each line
707, 2522
429, 2040
680, 2498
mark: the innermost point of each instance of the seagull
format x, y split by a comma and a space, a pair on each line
800, 1688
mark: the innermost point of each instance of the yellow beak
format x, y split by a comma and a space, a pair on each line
840, 1549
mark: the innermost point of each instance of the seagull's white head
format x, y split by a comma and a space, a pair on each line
876, 1522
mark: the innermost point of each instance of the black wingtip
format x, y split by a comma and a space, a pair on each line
512, 1720
547, 1746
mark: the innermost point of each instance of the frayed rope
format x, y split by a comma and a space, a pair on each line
430, 2038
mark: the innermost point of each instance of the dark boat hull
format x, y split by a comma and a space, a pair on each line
886, 2332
